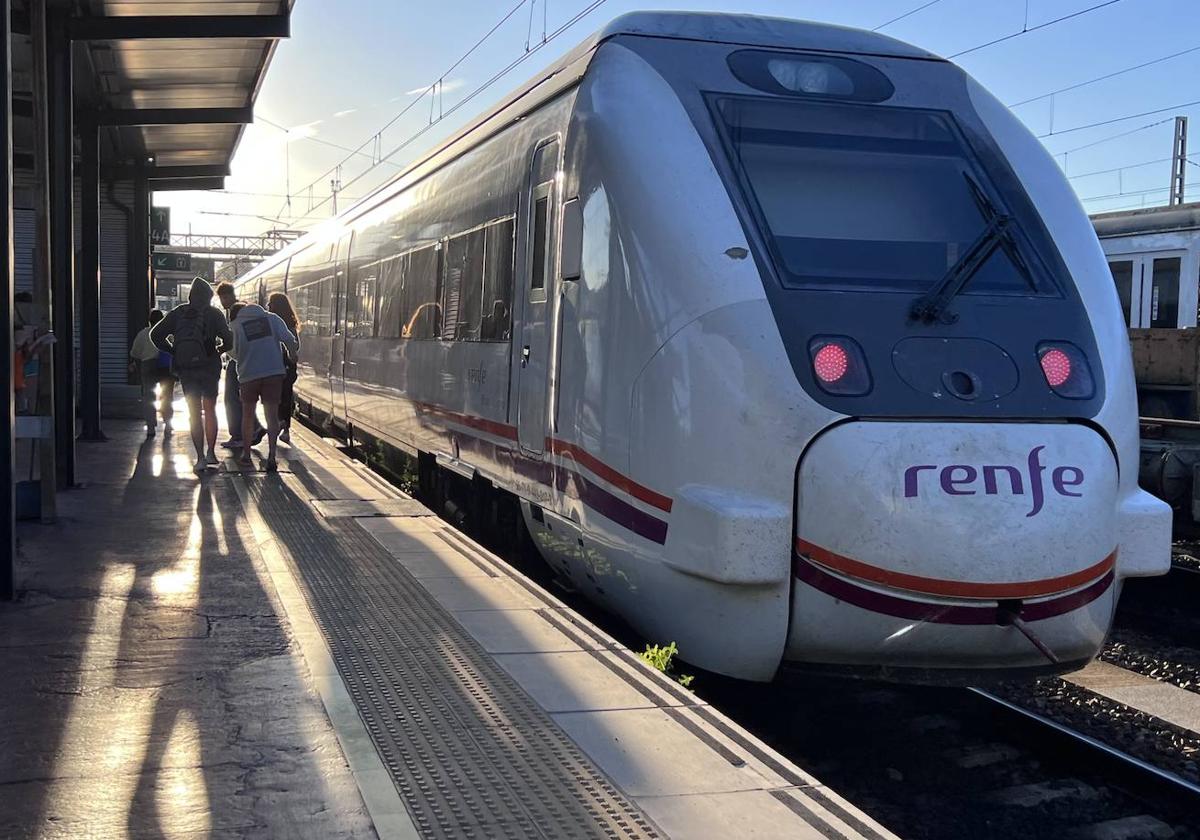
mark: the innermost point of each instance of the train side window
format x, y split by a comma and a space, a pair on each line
423, 293
1164, 293
362, 305
453, 265
497, 282
1122, 272
322, 303
541, 231
570, 255
464, 286
389, 290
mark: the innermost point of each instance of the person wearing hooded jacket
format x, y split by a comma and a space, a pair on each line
195, 334
257, 339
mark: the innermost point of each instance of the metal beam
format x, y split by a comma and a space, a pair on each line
179, 184
62, 242
175, 116
88, 282
179, 26
8, 475
139, 239
155, 173
43, 282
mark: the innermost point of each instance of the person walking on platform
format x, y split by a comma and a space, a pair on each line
154, 370
257, 336
195, 334
281, 305
227, 295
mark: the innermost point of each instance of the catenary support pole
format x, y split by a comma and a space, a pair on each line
8, 507
62, 241
1179, 160
88, 281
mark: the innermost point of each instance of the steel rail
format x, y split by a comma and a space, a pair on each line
1133, 773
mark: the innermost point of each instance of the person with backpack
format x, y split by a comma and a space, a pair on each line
257, 339
195, 334
153, 367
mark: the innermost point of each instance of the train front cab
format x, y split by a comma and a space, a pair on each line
965, 496
981, 508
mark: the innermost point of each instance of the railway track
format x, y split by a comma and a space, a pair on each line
1127, 772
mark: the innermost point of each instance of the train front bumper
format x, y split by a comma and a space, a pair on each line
964, 547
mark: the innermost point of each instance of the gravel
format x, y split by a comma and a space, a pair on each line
1155, 657
931, 763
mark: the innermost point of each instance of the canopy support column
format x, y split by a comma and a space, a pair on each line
89, 282
8, 507
62, 241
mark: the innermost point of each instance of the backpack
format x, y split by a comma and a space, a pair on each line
193, 346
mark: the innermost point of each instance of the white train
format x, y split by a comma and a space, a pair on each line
791, 343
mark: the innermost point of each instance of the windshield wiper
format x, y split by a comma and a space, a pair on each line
932, 305
1009, 242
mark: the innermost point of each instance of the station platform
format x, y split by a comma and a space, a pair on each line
312, 654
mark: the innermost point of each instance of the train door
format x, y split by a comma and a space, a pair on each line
533, 346
337, 353
1149, 288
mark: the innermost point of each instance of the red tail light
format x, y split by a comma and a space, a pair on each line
839, 366
1056, 365
1066, 370
830, 363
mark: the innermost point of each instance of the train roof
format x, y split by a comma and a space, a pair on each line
753, 30
716, 27
1177, 217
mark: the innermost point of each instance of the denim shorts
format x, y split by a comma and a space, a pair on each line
199, 383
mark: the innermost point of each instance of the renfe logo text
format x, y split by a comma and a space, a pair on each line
964, 479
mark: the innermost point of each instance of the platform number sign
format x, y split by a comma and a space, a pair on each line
160, 225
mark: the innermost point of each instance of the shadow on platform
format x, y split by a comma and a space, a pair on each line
152, 689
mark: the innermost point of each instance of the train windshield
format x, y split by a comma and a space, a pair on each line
866, 197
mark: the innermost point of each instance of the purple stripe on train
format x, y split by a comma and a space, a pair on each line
574, 484
935, 613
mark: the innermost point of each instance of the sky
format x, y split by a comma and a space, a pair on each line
354, 67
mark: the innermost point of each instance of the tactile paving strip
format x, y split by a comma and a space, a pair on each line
471, 754
339, 508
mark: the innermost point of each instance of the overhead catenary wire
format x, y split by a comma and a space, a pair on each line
1099, 123
311, 139
587, 10
417, 99
909, 13
1125, 193
1104, 77
1120, 168
1027, 29
1116, 136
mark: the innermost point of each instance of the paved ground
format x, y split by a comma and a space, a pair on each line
152, 689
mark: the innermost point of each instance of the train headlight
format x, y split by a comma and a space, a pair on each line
839, 365
1066, 370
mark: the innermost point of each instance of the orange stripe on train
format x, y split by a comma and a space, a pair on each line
954, 588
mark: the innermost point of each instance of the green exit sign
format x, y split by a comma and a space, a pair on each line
171, 262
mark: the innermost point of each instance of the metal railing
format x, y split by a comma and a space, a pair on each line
261, 245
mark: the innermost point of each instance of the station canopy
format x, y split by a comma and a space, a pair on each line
175, 81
